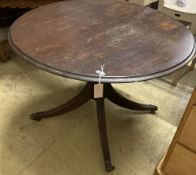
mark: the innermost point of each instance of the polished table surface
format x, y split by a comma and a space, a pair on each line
74, 38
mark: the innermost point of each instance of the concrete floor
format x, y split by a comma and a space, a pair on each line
69, 144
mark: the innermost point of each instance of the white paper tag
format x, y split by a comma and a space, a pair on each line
98, 90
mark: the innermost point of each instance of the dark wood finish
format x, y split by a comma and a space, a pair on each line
10, 10
84, 96
4, 51
119, 100
74, 38
193, 64
134, 43
103, 134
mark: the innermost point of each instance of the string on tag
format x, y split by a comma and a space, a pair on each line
99, 88
101, 73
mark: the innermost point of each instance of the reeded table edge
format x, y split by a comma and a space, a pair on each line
95, 78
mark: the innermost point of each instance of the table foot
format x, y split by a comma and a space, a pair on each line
119, 100
36, 116
103, 134
108, 166
87, 94
79, 100
193, 64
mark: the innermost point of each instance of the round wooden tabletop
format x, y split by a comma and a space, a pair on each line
74, 38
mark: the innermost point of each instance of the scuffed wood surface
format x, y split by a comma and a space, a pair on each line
74, 38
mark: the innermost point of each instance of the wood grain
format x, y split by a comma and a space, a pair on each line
187, 136
74, 39
181, 157
182, 162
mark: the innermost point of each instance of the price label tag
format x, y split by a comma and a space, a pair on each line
98, 90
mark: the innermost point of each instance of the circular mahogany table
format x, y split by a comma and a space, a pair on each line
74, 38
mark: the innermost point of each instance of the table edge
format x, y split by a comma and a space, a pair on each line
95, 78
